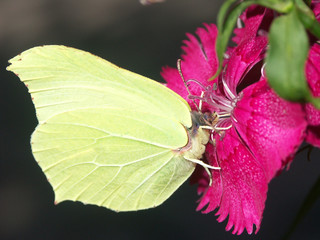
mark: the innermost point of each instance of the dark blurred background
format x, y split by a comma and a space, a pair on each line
141, 39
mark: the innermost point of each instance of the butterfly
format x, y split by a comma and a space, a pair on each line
108, 136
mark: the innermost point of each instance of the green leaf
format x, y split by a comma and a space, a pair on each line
307, 17
225, 8
226, 30
227, 18
281, 6
286, 57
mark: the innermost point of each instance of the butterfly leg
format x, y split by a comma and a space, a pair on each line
205, 166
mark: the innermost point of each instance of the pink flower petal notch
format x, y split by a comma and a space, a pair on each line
199, 62
256, 134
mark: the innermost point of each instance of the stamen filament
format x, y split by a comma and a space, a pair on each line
227, 89
224, 115
223, 128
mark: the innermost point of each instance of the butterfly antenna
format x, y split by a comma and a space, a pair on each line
185, 83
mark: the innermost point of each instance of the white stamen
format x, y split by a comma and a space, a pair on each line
239, 23
228, 91
224, 115
262, 69
223, 128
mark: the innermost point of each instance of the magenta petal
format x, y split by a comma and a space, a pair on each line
313, 129
313, 135
313, 70
175, 83
255, 18
199, 62
313, 78
243, 58
213, 194
316, 9
271, 127
313, 115
199, 59
239, 188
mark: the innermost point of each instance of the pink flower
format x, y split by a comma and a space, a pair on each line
257, 133
313, 78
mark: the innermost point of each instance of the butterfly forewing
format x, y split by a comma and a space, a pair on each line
106, 136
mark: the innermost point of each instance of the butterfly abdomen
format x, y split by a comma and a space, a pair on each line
198, 138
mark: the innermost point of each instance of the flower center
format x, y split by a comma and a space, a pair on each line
221, 100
